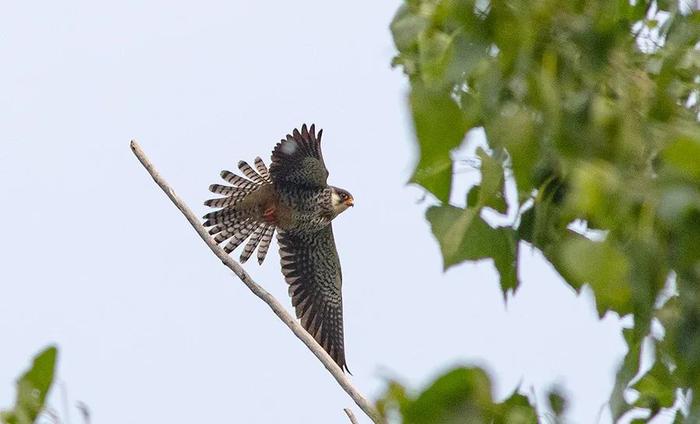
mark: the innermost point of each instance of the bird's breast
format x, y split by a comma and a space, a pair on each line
302, 209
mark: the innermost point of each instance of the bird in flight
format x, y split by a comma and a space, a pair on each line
294, 199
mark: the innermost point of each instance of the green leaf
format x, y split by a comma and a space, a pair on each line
434, 55
463, 235
492, 183
516, 410
683, 156
459, 237
605, 268
504, 251
32, 389
523, 149
557, 402
406, 27
462, 395
473, 196
394, 398
677, 203
440, 128
595, 193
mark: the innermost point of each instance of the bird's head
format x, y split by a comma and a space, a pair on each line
340, 200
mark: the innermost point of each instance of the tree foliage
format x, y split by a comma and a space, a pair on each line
591, 108
462, 395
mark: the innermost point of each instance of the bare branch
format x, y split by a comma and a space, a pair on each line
260, 292
350, 415
84, 411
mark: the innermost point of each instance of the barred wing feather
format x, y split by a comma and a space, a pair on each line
311, 267
297, 159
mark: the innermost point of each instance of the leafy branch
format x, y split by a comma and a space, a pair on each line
594, 127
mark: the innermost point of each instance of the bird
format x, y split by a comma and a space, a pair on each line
293, 199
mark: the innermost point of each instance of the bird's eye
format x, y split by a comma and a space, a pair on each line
343, 196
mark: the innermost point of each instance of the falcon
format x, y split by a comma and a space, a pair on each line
293, 199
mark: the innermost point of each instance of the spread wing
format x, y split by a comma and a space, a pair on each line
311, 267
297, 159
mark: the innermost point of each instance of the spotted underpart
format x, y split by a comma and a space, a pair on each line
293, 199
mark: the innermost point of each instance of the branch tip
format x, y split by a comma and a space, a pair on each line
350, 415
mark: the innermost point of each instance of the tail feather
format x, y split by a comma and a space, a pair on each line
262, 169
250, 172
224, 235
222, 226
236, 180
224, 216
225, 190
265, 243
240, 236
252, 243
229, 232
216, 229
222, 202
233, 223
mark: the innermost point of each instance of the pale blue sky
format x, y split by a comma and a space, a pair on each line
151, 327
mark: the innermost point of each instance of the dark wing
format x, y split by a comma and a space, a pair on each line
297, 159
311, 267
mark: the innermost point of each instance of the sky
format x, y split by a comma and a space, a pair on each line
150, 326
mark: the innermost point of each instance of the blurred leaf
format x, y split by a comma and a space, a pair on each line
464, 235
440, 128
406, 27
492, 183
557, 402
605, 268
394, 398
683, 156
462, 395
516, 410
473, 196
32, 389
434, 55
677, 203
592, 108
523, 149
450, 225
594, 193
